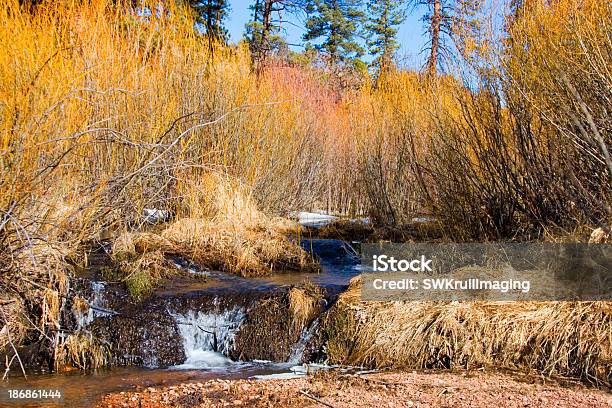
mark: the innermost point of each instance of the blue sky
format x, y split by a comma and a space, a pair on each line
410, 34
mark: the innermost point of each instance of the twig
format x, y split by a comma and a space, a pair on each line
38, 285
377, 381
10, 340
372, 380
312, 397
8, 366
191, 129
589, 118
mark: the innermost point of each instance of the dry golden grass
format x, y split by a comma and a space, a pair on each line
13, 321
230, 234
246, 250
347, 230
304, 304
140, 261
41, 272
83, 351
556, 338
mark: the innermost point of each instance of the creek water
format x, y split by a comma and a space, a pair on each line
206, 349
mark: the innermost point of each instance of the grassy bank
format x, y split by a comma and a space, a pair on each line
223, 230
561, 339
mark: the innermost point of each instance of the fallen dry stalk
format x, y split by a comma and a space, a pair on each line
319, 400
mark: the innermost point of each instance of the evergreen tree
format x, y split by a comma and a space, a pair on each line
263, 31
210, 16
336, 22
438, 23
467, 29
384, 18
454, 20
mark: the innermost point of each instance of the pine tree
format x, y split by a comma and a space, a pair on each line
438, 26
210, 16
263, 31
438, 22
453, 20
336, 22
467, 30
384, 18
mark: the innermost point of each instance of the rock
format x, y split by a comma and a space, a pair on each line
599, 236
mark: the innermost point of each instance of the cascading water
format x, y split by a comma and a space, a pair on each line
96, 306
208, 337
185, 335
297, 351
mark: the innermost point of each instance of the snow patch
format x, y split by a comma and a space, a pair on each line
311, 219
155, 216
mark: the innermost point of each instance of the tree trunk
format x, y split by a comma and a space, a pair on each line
262, 46
209, 27
267, 12
436, 21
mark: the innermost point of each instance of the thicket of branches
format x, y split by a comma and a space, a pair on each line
107, 112
525, 152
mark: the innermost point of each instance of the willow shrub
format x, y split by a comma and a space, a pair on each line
530, 150
525, 151
107, 110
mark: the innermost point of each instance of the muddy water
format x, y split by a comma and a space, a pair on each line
205, 350
83, 390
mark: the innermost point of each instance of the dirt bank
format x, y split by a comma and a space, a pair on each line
405, 389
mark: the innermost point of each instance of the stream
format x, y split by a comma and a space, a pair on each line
187, 333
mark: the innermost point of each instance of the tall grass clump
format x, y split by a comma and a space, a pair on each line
566, 339
221, 229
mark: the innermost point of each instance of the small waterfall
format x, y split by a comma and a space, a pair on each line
297, 351
208, 336
96, 306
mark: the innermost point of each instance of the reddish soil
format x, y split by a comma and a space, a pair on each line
403, 389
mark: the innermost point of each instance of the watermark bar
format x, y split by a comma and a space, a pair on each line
27, 396
492, 272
